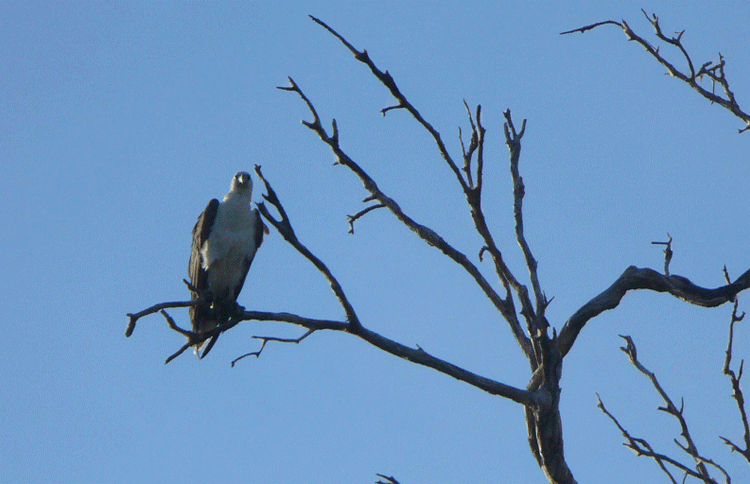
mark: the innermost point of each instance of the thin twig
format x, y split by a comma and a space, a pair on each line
386, 79
667, 253
153, 309
473, 145
641, 447
266, 339
353, 218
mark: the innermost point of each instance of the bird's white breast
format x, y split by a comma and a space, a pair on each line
230, 243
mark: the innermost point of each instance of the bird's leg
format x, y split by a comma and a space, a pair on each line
202, 296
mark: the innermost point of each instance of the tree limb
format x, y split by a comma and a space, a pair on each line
714, 72
643, 278
513, 140
134, 317
472, 193
668, 253
427, 234
403, 103
735, 379
285, 229
641, 446
417, 355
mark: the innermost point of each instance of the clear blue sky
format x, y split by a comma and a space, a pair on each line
119, 121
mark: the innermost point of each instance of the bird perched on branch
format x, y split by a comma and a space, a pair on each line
225, 239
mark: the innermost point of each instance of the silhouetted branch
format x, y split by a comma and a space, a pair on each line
667, 253
418, 355
386, 79
415, 355
641, 446
643, 278
505, 306
476, 143
153, 309
389, 479
513, 140
472, 193
735, 379
714, 72
353, 218
285, 229
266, 339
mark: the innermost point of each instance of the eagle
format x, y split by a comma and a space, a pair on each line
225, 239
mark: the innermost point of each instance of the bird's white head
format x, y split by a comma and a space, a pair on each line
242, 183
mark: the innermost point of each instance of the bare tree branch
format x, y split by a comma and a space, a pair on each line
513, 140
266, 339
285, 229
642, 448
505, 306
667, 253
353, 218
735, 379
417, 355
476, 143
714, 72
389, 479
387, 80
643, 278
689, 447
134, 317
472, 193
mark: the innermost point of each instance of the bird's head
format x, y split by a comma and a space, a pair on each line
242, 182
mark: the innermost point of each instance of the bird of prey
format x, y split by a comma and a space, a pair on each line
225, 239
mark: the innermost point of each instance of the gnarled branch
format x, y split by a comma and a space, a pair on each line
714, 72
643, 278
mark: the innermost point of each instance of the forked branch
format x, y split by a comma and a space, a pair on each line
415, 355
691, 76
642, 448
386, 79
735, 379
505, 306
471, 191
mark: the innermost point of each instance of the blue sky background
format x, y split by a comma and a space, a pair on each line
119, 121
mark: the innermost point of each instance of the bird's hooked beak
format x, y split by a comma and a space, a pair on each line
243, 179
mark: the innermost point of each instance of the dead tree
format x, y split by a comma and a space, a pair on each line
521, 302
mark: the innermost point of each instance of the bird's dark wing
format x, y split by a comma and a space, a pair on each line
258, 229
198, 275
201, 231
